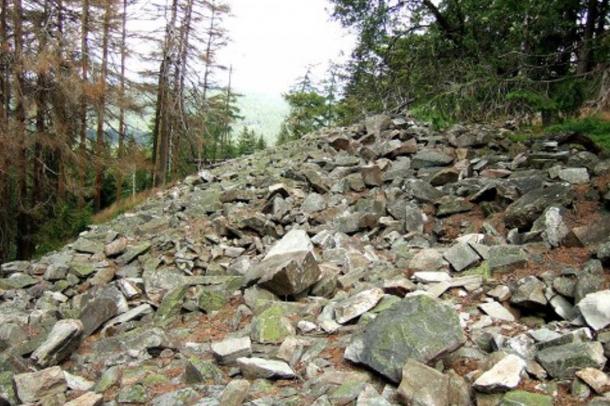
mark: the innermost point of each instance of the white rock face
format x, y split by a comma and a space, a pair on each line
31, 387
496, 311
357, 305
227, 351
595, 309
503, 376
265, 368
62, 340
574, 175
431, 277
294, 241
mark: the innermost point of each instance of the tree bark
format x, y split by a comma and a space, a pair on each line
101, 108
83, 99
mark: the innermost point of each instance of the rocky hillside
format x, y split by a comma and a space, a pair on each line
380, 264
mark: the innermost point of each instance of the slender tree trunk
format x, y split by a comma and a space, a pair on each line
122, 126
63, 130
161, 127
24, 224
101, 109
206, 74
586, 53
83, 99
5, 196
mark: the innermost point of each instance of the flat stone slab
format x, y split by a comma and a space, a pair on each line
227, 351
417, 327
357, 305
265, 368
503, 376
595, 309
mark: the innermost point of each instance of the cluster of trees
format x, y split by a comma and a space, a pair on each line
74, 77
312, 105
474, 59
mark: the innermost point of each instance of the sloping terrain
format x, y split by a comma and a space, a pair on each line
380, 264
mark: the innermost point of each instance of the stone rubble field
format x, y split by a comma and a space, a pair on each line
381, 264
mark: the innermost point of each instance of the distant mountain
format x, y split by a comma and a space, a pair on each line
262, 113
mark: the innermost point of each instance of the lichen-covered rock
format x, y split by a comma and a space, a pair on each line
33, 386
563, 361
271, 326
418, 327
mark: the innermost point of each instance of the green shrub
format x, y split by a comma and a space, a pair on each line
595, 127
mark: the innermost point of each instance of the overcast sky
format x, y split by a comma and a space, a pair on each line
272, 42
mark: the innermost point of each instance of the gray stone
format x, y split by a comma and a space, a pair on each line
430, 158
603, 253
563, 361
357, 305
496, 311
87, 399
504, 258
423, 386
97, 312
228, 350
574, 175
595, 309
63, 339
289, 274
418, 327
529, 293
235, 393
264, 368
503, 376
34, 386
461, 256
522, 213
294, 242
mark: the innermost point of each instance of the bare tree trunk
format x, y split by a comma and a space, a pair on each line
161, 128
208, 70
24, 238
83, 102
5, 197
101, 109
122, 126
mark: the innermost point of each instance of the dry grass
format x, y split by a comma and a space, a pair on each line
122, 206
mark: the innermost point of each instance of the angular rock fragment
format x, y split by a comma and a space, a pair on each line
564, 361
461, 256
34, 386
235, 393
357, 305
63, 339
422, 385
228, 350
264, 368
418, 327
595, 309
503, 376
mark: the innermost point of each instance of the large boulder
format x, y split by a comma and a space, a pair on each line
523, 212
418, 327
290, 267
63, 339
34, 386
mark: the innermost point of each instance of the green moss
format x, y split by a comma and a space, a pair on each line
212, 298
482, 270
271, 326
595, 127
523, 398
171, 304
155, 379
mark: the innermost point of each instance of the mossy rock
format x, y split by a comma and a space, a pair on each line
133, 394
201, 371
271, 326
417, 327
213, 298
171, 304
523, 398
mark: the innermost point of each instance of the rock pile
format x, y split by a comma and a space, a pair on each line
381, 264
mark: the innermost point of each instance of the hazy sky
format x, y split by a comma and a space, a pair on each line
274, 40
